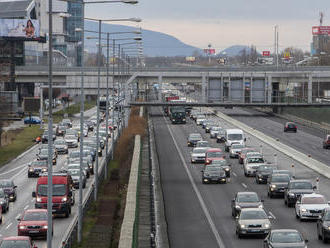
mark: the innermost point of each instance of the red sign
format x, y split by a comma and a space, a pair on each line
317, 30
209, 51
266, 53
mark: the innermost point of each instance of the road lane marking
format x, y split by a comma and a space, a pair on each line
32, 200
271, 214
244, 185
17, 216
197, 192
9, 225
26, 207
234, 174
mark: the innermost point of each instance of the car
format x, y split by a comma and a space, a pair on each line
310, 206
33, 223
67, 122
286, 172
76, 165
198, 155
290, 127
209, 125
75, 175
213, 154
277, 184
36, 167
17, 242
263, 172
234, 136
214, 131
326, 142
285, 238
245, 200
252, 222
32, 120
61, 146
295, 189
235, 149
205, 122
221, 136
9, 188
200, 118
4, 201
214, 174
323, 226
93, 144
202, 143
43, 155
251, 163
71, 140
44, 137
90, 125
60, 130
223, 163
193, 138
242, 154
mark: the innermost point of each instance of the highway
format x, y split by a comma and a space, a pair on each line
17, 170
199, 215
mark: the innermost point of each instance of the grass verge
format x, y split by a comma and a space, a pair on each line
21, 142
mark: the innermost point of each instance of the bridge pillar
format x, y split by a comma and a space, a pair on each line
229, 88
160, 85
243, 88
221, 89
204, 88
310, 89
251, 87
269, 89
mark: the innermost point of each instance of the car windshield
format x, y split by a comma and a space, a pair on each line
200, 116
286, 237
62, 128
39, 163
247, 198
235, 136
291, 125
199, 150
236, 146
44, 152
74, 154
195, 136
248, 150
74, 172
313, 200
301, 185
256, 160
58, 189
220, 162
59, 142
253, 215
212, 168
70, 137
214, 154
2, 194
35, 216
216, 128
327, 216
4, 184
280, 179
15, 244
265, 168
203, 144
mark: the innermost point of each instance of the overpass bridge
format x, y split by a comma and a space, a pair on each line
215, 84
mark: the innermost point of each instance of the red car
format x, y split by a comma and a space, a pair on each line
17, 241
33, 223
213, 154
242, 154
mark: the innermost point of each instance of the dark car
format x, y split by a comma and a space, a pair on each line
323, 226
213, 174
223, 163
45, 137
90, 125
295, 189
194, 138
245, 200
326, 142
277, 184
9, 188
4, 201
33, 223
263, 172
43, 155
32, 120
17, 241
37, 167
284, 238
290, 127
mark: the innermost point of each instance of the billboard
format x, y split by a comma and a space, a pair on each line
25, 29
190, 59
319, 30
209, 51
266, 53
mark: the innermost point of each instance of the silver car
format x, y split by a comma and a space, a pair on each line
214, 131
251, 222
198, 154
235, 149
310, 206
200, 119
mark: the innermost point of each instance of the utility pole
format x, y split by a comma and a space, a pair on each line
276, 45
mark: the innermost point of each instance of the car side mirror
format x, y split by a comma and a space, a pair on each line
15, 186
70, 194
34, 194
202, 170
265, 240
244, 139
233, 200
270, 217
18, 219
236, 217
306, 240
329, 202
314, 187
262, 200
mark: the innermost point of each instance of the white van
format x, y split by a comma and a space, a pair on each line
234, 136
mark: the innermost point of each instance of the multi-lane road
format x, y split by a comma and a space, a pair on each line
199, 215
17, 170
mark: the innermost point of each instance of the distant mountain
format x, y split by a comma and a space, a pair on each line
154, 43
234, 50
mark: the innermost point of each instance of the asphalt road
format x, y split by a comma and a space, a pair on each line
199, 215
17, 170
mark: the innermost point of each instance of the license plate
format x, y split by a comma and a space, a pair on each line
254, 230
53, 210
34, 231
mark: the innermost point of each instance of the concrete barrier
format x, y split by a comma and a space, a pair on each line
302, 158
127, 227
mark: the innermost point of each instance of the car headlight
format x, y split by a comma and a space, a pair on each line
206, 180
44, 170
238, 207
2, 202
38, 199
184, 119
22, 227
327, 227
44, 227
267, 225
260, 206
291, 194
31, 169
64, 199
273, 186
227, 169
242, 226
304, 210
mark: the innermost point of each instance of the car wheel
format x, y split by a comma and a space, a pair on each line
245, 174
318, 233
285, 202
297, 216
324, 239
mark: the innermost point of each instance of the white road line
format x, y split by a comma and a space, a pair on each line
9, 225
197, 192
26, 207
17, 216
244, 185
271, 214
32, 200
234, 174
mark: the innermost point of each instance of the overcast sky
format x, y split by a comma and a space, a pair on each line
223, 23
